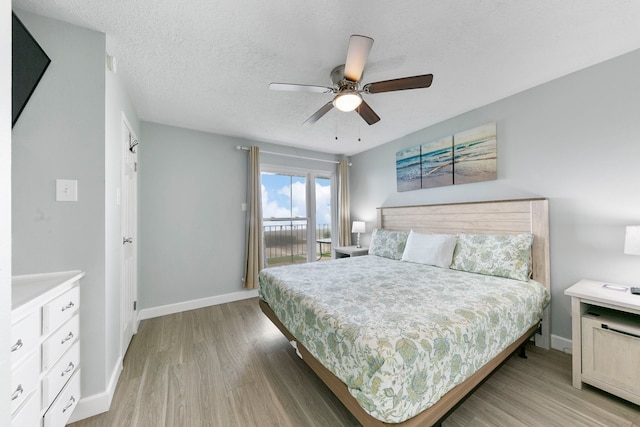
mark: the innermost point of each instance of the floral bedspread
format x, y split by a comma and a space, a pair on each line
399, 334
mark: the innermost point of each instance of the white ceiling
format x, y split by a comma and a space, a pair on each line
206, 65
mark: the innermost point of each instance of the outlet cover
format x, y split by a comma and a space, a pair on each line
66, 190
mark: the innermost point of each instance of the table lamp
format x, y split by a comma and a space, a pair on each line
359, 227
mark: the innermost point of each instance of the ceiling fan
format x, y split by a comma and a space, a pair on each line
346, 84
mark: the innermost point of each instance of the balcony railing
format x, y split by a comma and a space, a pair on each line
287, 243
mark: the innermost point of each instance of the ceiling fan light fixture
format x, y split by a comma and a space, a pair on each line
347, 100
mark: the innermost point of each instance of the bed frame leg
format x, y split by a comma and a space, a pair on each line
523, 351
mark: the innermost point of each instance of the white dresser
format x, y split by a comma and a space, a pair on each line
45, 348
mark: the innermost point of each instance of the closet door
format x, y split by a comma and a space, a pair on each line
129, 226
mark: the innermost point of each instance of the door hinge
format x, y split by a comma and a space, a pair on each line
135, 166
135, 304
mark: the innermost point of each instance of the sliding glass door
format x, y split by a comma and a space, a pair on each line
284, 208
297, 216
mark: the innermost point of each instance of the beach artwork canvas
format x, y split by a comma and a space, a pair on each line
408, 174
437, 162
475, 155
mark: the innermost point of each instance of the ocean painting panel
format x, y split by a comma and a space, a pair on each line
408, 169
475, 155
437, 162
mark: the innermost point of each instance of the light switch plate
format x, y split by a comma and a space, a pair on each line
66, 190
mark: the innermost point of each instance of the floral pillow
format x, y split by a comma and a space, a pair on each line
388, 244
504, 256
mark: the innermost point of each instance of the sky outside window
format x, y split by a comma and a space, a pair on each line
284, 196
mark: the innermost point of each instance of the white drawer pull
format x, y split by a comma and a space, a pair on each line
16, 394
69, 369
69, 405
67, 338
17, 346
68, 306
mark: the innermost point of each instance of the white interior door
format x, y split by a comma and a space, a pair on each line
129, 204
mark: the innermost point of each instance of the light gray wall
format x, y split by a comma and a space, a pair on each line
61, 134
576, 141
5, 209
192, 228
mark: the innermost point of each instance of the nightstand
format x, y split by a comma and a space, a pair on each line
605, 321
350, 251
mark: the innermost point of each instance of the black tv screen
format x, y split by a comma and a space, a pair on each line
28, 64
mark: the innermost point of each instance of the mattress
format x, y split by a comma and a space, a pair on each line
399, 334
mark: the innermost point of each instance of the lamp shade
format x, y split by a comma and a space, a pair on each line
358, 227
631, 240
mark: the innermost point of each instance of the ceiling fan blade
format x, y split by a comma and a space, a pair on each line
300, 88
318, 114
359, 48
415, 82
367, 113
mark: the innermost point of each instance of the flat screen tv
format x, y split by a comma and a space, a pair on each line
28, 64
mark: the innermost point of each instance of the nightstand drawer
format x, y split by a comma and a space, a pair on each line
611, 352
59, 342
25, 334
24, 380
62, 408
60, 310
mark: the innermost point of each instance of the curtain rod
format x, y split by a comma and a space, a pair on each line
292, 155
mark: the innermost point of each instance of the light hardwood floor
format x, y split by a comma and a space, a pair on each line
227, 365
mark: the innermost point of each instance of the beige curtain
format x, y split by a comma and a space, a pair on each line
344, 218
255, 254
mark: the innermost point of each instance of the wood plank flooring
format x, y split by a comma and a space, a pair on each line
227, 365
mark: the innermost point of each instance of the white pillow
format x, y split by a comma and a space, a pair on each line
432, 249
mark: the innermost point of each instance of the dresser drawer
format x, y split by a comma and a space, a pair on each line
24, 380
58, 311
29, 414
25, 334
59, 342
58, 376
62, 408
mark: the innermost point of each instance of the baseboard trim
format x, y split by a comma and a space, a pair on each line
561, 344
179, 307
98, 403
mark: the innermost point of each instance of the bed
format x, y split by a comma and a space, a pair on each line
371, 328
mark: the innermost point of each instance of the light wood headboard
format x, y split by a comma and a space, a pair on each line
494, 217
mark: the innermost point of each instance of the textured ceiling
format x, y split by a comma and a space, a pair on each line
207, 65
